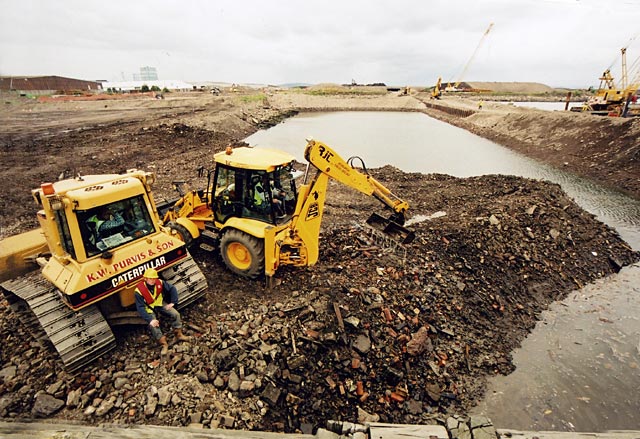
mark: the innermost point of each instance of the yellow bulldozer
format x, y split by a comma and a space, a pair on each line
259, 219
75, 276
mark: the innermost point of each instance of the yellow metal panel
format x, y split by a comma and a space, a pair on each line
250, 226
14, 250
64, 277
98, 194
270, 251
254, 158
191, 226
127, 296
93, 190
52, 271
70, 184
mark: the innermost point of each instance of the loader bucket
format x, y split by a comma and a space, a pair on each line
391, 228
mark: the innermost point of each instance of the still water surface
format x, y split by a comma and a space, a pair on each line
579, 369
415, 142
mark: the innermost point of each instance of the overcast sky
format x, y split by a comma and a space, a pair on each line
398, 42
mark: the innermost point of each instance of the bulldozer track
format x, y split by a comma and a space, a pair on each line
82, 336
79, 336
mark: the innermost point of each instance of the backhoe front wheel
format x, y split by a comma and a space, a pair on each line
181, 233
242, 253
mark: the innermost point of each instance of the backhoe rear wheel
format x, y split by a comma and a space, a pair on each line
181, 233
242, 253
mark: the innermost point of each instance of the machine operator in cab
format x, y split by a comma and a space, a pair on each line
260, 199
106, 222
155, 297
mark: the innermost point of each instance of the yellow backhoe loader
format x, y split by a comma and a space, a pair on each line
259, 219
74, 277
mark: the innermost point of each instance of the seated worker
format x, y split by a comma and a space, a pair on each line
155, 297
106, 222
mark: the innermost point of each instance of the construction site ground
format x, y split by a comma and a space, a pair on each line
366, 334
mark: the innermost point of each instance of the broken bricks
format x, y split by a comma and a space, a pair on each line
271, 394
420, 342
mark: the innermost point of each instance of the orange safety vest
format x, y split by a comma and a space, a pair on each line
148, 297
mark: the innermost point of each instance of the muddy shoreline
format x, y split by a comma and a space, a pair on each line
603, 149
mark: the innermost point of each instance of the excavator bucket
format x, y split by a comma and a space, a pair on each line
391, 229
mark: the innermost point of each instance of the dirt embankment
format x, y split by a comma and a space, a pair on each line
172, 137
367, 333
604, 149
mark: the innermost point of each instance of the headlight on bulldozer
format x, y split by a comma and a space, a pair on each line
56, 203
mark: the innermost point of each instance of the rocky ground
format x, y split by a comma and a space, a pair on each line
404, 336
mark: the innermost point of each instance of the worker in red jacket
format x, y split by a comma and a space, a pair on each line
155, 297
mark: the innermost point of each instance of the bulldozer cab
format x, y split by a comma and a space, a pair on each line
87, 216
266, 196
102, 233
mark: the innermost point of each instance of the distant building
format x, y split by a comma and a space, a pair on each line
46, 85
146, 74
127, 86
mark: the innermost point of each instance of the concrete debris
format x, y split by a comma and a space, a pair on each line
46, 405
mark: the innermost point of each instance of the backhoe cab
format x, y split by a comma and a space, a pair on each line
260, 219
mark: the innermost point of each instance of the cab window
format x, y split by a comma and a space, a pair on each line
227, 198
247, 193
111, 225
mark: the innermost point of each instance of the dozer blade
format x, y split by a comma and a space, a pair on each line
391, 228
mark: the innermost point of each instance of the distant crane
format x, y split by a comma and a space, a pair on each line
455, 85
613, 98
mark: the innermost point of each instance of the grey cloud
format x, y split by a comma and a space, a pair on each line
377, 40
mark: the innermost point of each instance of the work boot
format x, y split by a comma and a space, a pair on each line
165, 346
180, 336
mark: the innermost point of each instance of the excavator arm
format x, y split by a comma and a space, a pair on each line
329, 162
334, 166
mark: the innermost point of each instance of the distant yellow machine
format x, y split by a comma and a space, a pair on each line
611, 98
257, 216
436, 93
74, 277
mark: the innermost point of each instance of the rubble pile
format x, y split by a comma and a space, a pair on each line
369, 334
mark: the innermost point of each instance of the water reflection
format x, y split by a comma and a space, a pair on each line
415, 142
578, 371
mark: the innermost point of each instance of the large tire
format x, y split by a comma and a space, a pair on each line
242, 253
181, 233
